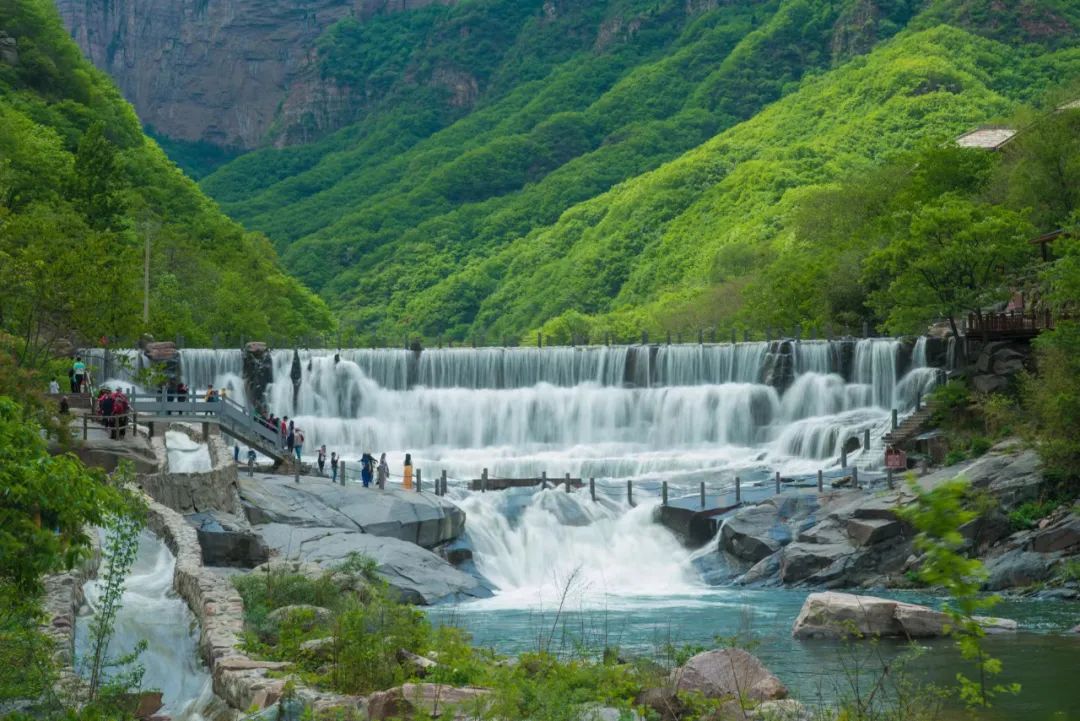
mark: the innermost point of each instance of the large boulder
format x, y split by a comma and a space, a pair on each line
258, 370
421, 518
419, 575
429, 700
728, 673
754, 534
800, 561
1018, 568
839, 615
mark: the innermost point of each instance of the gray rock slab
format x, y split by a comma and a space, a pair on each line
420, 575
421, 518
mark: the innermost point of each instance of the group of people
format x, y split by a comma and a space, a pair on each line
371, 471
112, 408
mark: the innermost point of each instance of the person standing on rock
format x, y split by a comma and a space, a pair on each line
322, 460
284, 431
406, 478
384, 472
54, 386
333, 467
296, 440
367, 469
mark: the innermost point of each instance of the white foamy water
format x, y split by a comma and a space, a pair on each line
682, 413
186, 455
535, 545
151, 611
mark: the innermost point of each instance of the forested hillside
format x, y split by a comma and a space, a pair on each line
617, 166
81, 191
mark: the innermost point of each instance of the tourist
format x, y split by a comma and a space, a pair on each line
298, 442
322, 460
284, 430
384, 472
78, 369
224, 394
406, 478
105, 410
333, 467
54, 386
367, 469
236, 452
290, 439
71, 380
119, 411
182, 392
251, 458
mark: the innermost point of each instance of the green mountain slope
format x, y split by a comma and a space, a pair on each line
602, 171
81, 189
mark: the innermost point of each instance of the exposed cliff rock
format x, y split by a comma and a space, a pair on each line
219, 72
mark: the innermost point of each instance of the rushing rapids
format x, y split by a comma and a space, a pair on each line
683, 413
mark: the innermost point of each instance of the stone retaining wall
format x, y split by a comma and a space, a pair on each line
242, 682
193, 492
63, 599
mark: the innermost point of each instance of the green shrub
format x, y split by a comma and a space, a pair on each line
1028, 514
979, 446
950, 401
955, 456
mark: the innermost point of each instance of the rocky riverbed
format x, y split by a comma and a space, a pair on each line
849, 538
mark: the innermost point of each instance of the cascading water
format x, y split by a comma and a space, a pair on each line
151, 611
681, 413
534, 545
186, 455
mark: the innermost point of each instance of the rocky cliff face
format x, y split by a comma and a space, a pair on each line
219, 71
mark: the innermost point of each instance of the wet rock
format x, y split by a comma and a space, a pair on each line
427, 699
149, 703
852, 444
754, 534
258, 372
729, 672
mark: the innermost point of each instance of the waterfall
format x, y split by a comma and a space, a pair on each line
681, 413
151, 611
185, 455
532, 544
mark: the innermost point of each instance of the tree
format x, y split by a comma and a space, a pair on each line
98, 181
955, 258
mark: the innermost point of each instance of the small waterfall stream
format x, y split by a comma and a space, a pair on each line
152, 611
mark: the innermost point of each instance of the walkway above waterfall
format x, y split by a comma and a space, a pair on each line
233, 419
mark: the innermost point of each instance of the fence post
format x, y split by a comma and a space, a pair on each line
592, 489
734, 340
442, 484
738, 490
778, 481
894, 419
567, 482
663, 493
419, 480
703, 494
296, 471
918, 400
855, 476
746, 335
701, 337
341, 470
483, 481
866, 329
820, 481
866, 439
888, 476
843, 457
644, 337
669, 337
630, 492
84, 418
539, 340
543, 480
